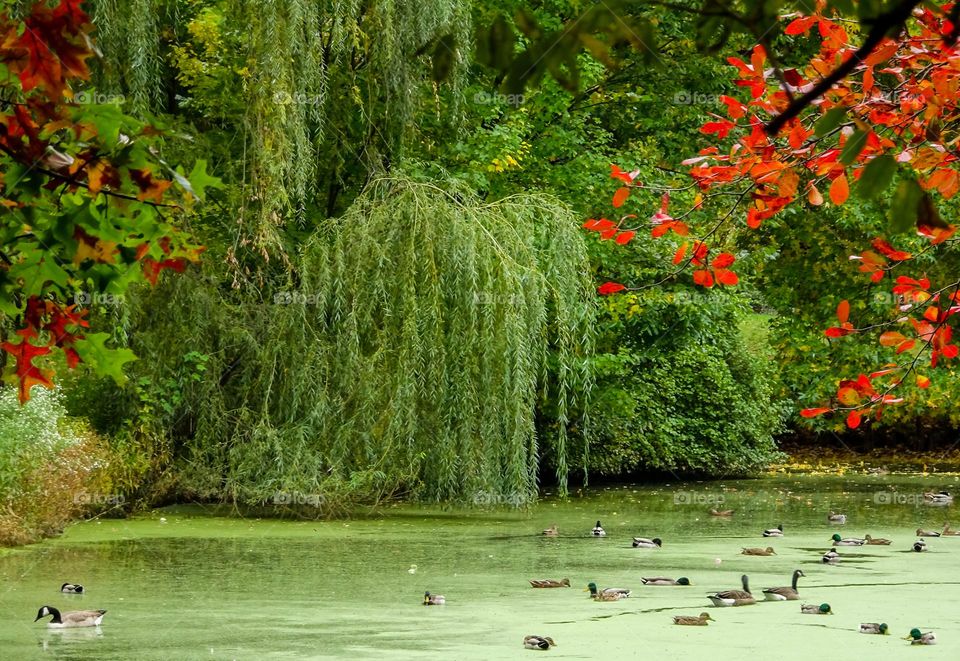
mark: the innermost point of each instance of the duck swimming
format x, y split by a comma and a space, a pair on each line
598, 531
774, 532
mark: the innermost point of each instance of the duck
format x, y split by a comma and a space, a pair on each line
433, 599
831, 556
877, 541
785, 593
836, 518
849, 541
607, 594
644, 543
734, 597
550, 583
716, 512
919, 546
689, 620
927, 533
662, 580
916, 637
538, 642
71, 588
813, 609
943, 497
551, 531
774, 532
948, 532
758, 551
873, 627
598, 531
70, 619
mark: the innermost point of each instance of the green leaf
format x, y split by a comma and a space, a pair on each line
102, 359
904, 206
854, 145
829, 121
199, 181
37, 269
876, 176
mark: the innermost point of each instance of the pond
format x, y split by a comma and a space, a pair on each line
180, 583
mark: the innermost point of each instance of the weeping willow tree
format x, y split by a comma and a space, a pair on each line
426, 344
312, 98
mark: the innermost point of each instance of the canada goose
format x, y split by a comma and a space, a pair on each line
538, 642
644, 543
663, 580
598, 531
785, 593
71, 618
813, 609
690, 620
774, 532
71, 588
607, 594
433, 599
916, 637
758, 551
734, 597
551, 531
550, 583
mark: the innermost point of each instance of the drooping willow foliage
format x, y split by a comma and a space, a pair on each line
427, 344
314, 96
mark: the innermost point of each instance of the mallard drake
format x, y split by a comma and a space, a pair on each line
758, 551
774, 532
949, 532
877, 541
942, 497
71, 588
716, 512
849, 541
873, 627
919, 546
836, 518
690, 620
607, 594
662, 580
813, 609
433, 599
598, 531
644, 543
550, 583
785, 593
71, 618
551, 531
917, 637
734, 597
927, 533
538, 642
831, 556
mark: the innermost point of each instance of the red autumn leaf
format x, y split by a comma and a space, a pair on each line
837, 332
813, 196
703, 277
608, 288
621, 196
726, 277
150, 188
28, 374
625, 177
906, 346
624, 238
680, 254
923, 382
723, 260
853, 420
800, 25
814, 412
888, 251
891, 338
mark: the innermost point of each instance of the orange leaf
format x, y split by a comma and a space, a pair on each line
813, 413
623, 238
680, 254
922, 381
621, 196
843, 311
813, 196
839, 190
891, 338
853, 420
608, 288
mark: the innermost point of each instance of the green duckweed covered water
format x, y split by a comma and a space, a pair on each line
182, 584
